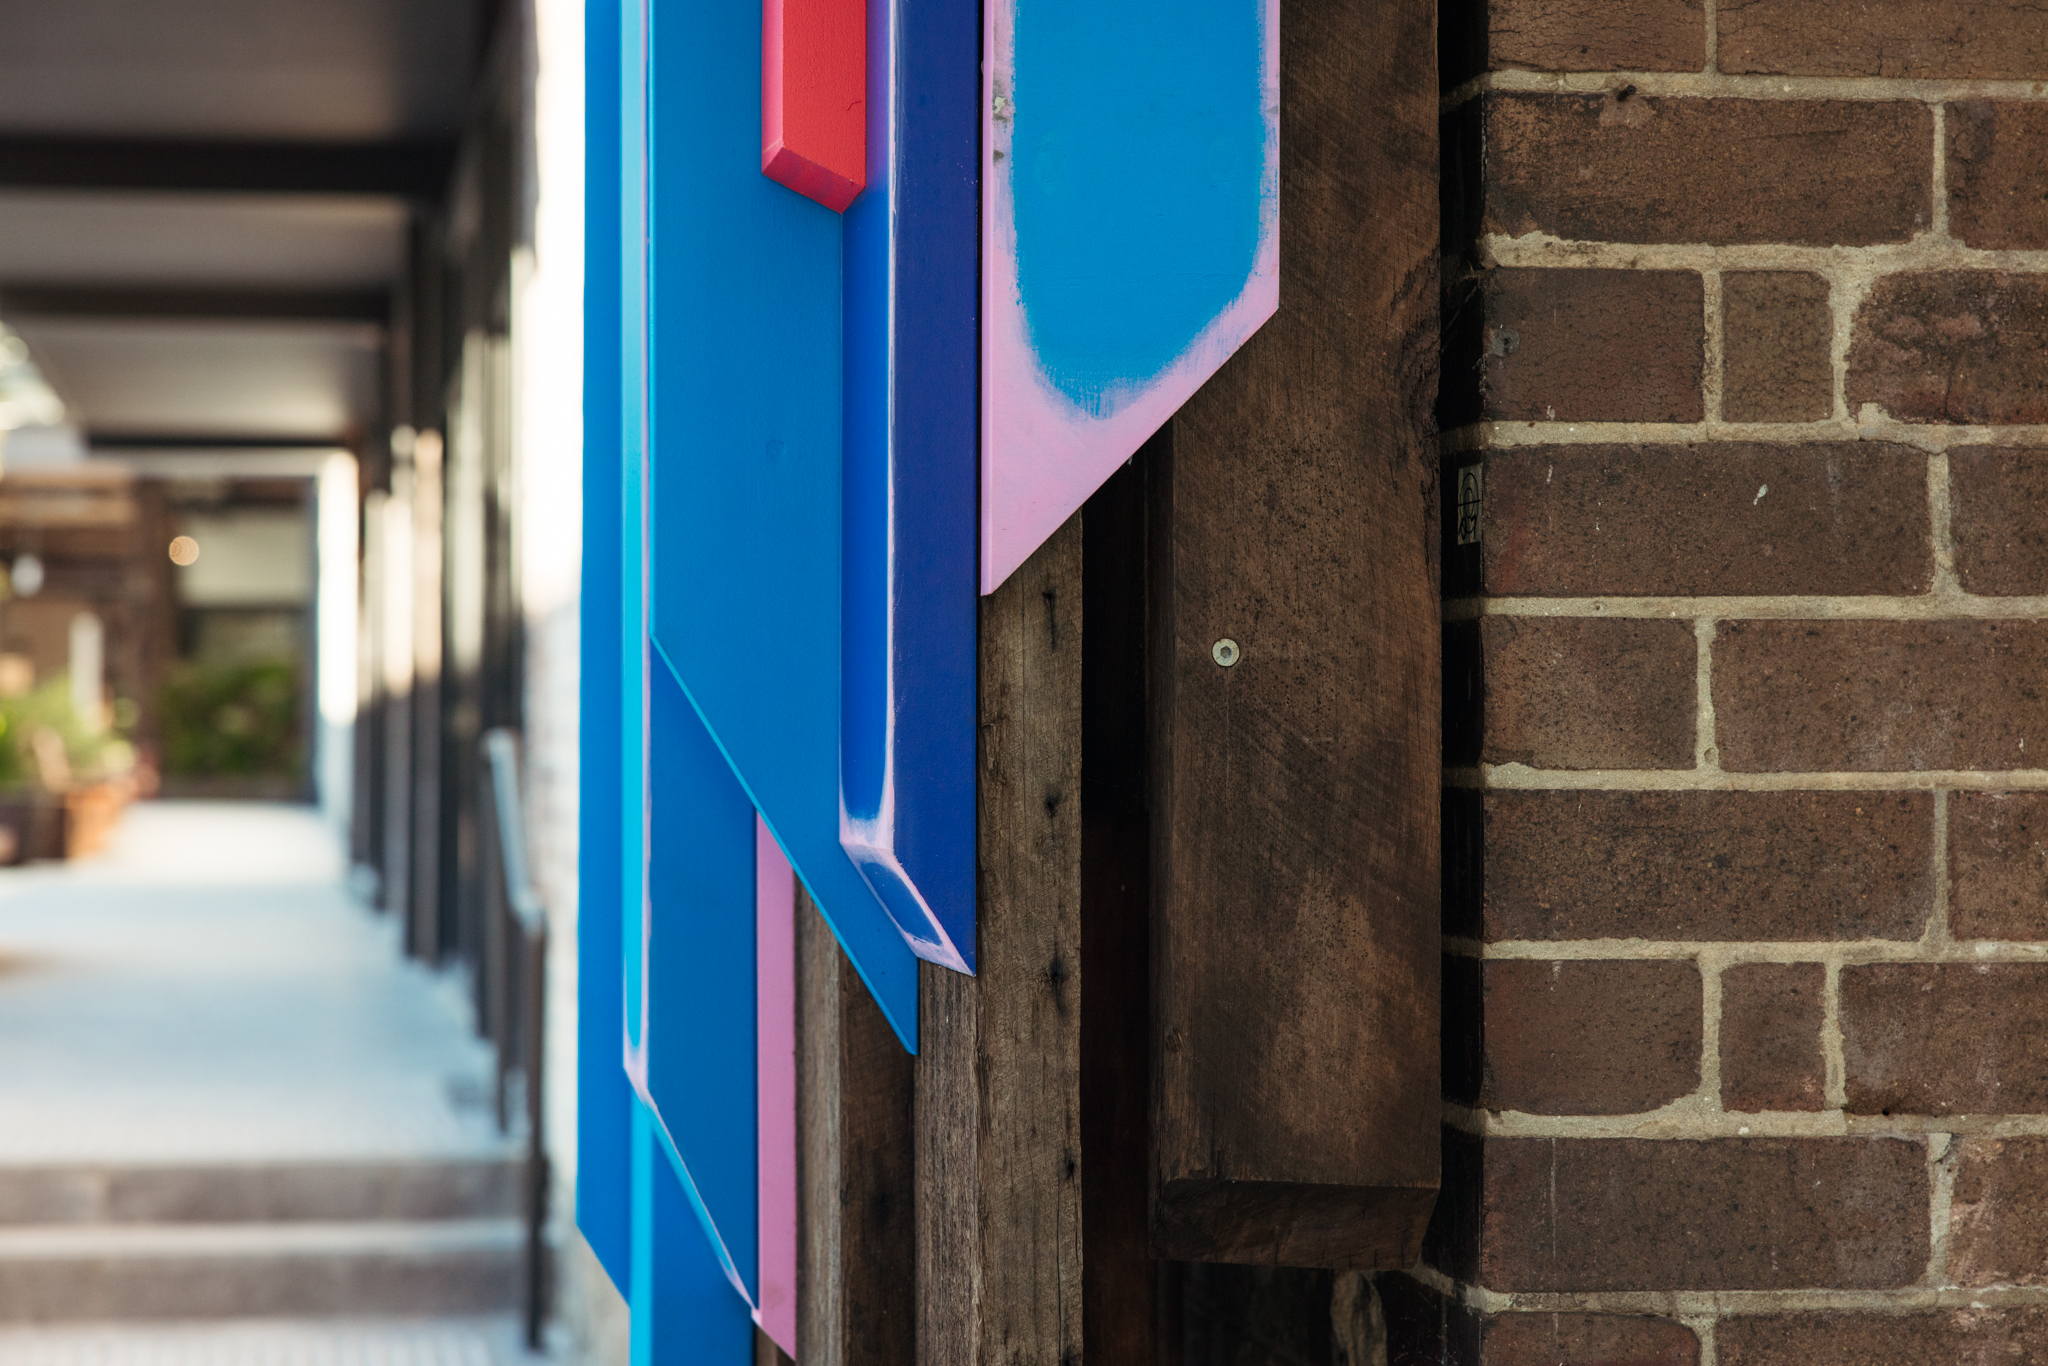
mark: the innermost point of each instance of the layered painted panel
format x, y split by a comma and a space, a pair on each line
683, 1311
1130, 235
696, 1065
813, 125
745, 346
908, 662
604, 1099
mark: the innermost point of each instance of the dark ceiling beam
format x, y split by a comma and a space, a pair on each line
191, 441
411, 170
204, 303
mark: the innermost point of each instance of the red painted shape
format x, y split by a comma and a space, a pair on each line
814, 76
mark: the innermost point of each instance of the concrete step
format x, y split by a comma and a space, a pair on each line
493, 1341
73, 1272
417, 1189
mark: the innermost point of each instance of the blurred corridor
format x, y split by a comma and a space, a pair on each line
290, 395
223, 1094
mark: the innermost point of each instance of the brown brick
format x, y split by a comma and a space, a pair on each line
1588, 693
1594, 345
1590, 1038
1946, 1038
1958, 1337
1989, 39
1587, 1340
1880, 696
1603, 169
1715, 866
1998, 1216
1953, 346
1835, 517
1770, 1037
1967, 1337
1596, 35
1998, 515
1997, 171
1998, 865
1731, 1214
1776, 333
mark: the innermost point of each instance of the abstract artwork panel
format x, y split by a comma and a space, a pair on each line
813, 68
696, 1070
908, 661
1130, 240
745, 356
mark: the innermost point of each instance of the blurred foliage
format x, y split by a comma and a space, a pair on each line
231, 719
90, 753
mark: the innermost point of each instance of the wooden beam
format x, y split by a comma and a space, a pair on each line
208, 303
215, 441
856, 1277
998, 1075
1295, 958
412, 170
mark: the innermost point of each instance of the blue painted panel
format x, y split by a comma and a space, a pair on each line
701, 980
604, 1098
745, 418
912, 386
683, 1311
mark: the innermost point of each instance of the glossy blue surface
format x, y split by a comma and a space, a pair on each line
911, 287
700, 978
683, 1311
604, 1098
1140, 142
745, 350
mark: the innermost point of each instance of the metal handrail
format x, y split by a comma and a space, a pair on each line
513, 997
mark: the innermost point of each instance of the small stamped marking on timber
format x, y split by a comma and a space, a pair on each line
1471, 490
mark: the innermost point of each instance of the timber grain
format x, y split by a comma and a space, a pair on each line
857, 1289
1295, 1095
998, 1135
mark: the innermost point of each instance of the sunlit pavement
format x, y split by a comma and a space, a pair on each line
224, 1093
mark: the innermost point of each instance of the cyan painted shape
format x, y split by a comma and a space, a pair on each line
745, 355
701, 979
683, 1312
912, 277
604, 1098
1130, 235
1140, 146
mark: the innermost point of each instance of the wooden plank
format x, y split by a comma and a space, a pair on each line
998, 1078
1295, 1048
856, 1286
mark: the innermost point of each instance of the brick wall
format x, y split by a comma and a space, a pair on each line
1746, 403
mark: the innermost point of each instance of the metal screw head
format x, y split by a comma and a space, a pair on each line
1225, 652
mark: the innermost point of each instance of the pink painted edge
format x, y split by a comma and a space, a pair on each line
775, 1087
771, 79
1040, 455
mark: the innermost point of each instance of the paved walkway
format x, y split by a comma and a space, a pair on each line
206, 990
206, 994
